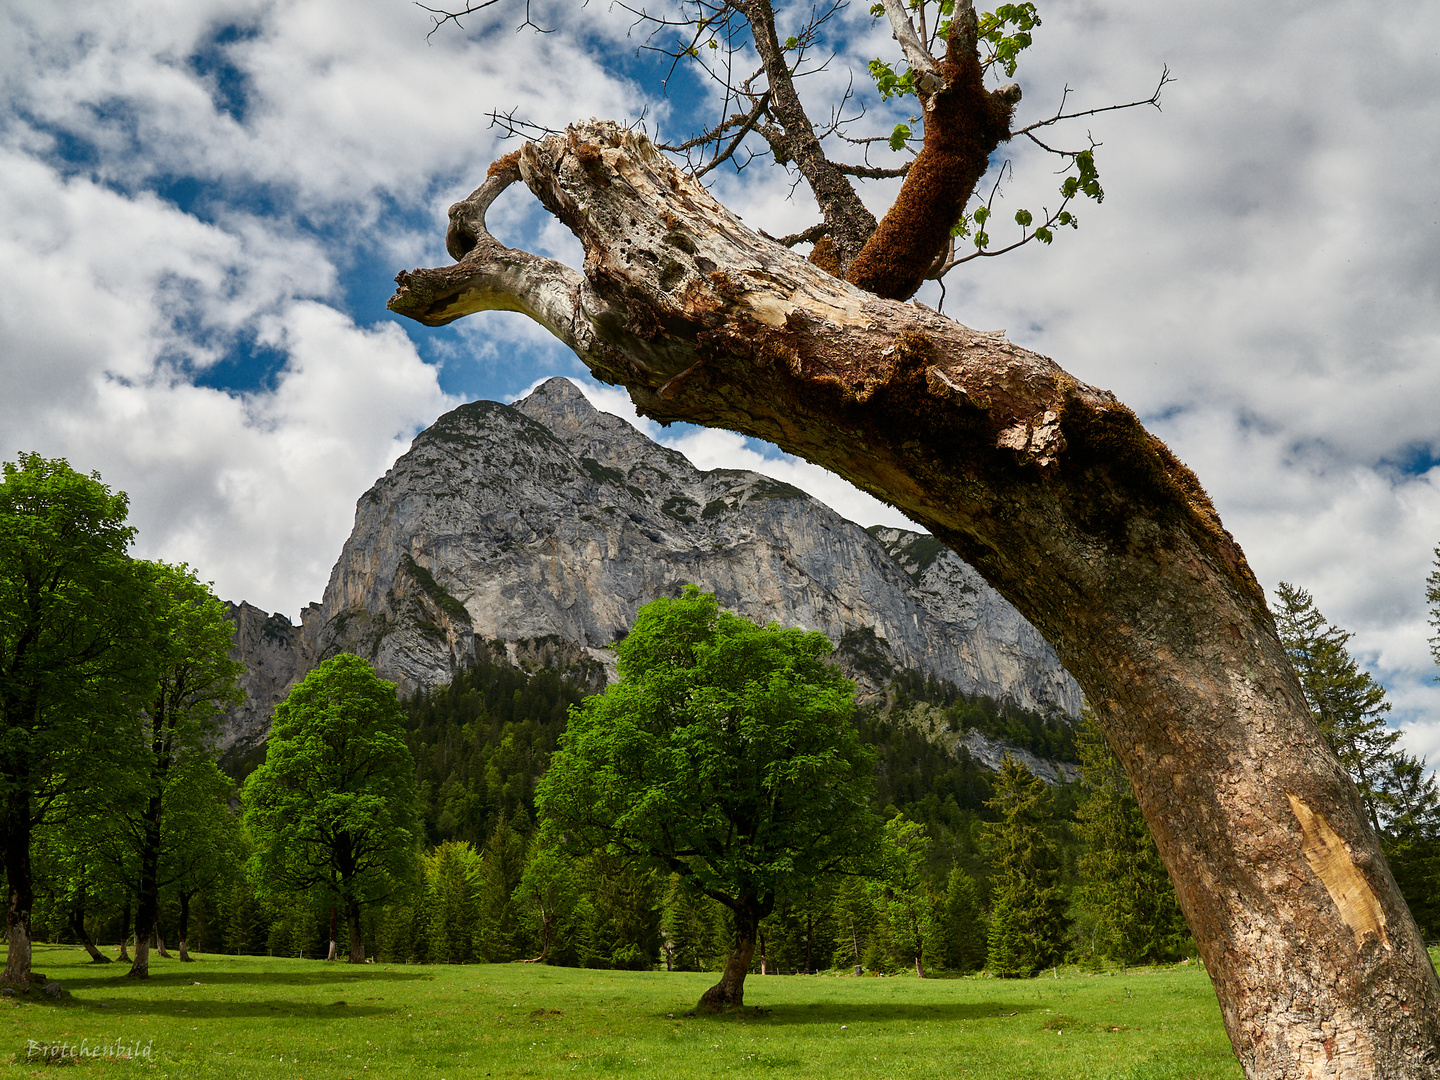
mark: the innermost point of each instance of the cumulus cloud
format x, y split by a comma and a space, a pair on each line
201, 204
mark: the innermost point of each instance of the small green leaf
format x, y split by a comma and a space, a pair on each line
1044, 235
982, 239
792, 43
981, 213
1023, 218
898, 137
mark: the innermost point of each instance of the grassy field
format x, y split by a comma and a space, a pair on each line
228, 1016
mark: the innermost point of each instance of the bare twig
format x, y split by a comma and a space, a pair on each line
1154, 99
440, 16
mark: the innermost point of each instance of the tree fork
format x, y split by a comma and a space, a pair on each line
1063, 502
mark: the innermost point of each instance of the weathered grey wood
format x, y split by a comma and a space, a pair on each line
1059, 497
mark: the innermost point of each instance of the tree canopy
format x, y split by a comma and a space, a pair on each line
75, 659
333, 806
725, 754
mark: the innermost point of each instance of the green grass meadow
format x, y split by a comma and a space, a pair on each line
238, 1016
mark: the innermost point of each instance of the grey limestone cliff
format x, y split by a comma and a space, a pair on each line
277, 654
546, 524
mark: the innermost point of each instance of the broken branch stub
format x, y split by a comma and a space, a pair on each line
1063, 502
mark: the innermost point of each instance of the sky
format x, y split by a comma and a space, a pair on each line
203, 204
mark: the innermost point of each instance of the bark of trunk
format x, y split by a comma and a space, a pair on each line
21, 894
140, 966
184, 927
124, 954
77, 927
729, 992
334, 952
1066, 505
357, 944
148, 914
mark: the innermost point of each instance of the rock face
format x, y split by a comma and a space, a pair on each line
546, 524
276, 654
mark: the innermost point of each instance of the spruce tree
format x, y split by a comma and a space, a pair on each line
1348, 705
1400, 796
1123, 882
499, 936
1028, 925
961, 931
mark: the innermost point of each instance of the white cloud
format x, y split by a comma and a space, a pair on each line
1259, 283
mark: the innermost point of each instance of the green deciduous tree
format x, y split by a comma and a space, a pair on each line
195, 682
333, 805
549, 898
901, 893
1028, 926
725, 754
1122, 879
75, 661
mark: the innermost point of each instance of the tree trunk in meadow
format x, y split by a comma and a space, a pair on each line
20, 890
1058, 496
124, 954
334, 952
184, 929
160, 935
729, 992
357, 944
147, 916
77, 927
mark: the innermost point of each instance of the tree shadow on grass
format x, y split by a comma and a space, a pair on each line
355, 975
832, 1013
199, 1009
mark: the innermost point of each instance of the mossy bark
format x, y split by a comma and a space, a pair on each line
964, 123
1064, 503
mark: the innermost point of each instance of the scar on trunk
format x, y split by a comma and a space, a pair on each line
1329, 857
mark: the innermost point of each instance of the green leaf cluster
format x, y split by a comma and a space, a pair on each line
1007, 30
725, 754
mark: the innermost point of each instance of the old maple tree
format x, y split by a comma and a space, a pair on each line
1051, 488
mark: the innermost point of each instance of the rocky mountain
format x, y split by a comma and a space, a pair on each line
276, 653
538, 529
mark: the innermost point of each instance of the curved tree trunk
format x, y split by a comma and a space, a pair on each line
77, 927
1066, 505
729, 992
